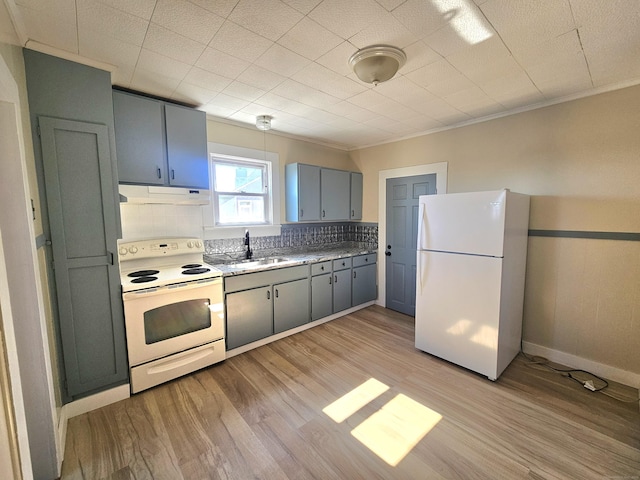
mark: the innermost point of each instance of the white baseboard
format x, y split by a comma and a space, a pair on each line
625, 377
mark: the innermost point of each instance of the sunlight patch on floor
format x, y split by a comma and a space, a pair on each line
353, 401
396, 428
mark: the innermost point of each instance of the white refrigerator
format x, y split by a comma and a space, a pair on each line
471, 260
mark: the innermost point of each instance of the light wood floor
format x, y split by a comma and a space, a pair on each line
260, 415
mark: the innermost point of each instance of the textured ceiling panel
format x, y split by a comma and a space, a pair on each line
187, 19
236, 59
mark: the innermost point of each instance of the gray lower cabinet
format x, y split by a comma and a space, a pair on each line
341, 284
263, 303
290, 305
249, 316
321, 290
363, 282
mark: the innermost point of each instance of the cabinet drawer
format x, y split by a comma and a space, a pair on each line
321, 267
361, 260
268, 277
342, 263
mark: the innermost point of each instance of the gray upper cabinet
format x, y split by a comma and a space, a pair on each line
334, 194
314, 193
302, 192
139, 139
356, 196
159, 143
186, 147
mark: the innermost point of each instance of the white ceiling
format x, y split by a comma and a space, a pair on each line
236, 59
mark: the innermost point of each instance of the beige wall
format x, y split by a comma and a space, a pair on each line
580, 161
290, 150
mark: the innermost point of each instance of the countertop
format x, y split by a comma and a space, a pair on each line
289, 257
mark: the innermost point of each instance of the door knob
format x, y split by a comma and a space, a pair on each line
388, 254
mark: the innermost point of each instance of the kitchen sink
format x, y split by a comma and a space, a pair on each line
258, 262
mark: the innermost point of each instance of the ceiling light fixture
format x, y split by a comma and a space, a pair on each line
263, 122
377, 63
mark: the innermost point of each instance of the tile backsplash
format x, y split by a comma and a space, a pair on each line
300, 236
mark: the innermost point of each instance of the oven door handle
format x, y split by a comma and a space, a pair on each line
177, 287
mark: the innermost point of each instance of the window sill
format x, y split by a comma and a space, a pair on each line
219, 233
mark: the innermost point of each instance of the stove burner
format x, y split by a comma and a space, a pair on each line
195, 271
144, 279
143, 273
191, 265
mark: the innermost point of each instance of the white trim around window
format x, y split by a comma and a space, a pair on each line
211, 231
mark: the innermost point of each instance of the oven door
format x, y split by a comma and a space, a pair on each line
166, 320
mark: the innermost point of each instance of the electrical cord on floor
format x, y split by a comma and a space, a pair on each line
572, 373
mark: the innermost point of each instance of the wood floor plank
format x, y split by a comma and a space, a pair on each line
260, 415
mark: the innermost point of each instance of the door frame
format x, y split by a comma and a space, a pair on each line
440, 169
31, 381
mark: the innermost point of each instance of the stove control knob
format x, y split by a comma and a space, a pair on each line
198, 244
190, 244
123, 250
133, 249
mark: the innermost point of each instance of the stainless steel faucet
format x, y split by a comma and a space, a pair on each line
248, 253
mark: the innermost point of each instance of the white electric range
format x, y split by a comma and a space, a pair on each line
173, 308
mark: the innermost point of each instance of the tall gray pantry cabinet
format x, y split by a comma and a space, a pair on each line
71, 111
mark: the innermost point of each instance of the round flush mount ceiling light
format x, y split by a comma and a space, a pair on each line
263, 122
377, 63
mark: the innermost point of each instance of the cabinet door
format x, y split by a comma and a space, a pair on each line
334, 194
249, 316
139, 139
82, 216
290, 305
187, 147
321, 296
309, 192
364, 284
356, 196
341, 290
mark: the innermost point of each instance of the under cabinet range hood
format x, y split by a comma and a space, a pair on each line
143, 194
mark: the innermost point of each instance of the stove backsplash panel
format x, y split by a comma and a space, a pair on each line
309, 235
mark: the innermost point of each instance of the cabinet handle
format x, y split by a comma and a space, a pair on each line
354, 274
302, 212
323, 214
268, 295
335, 279
343, 264
353, 213
330, 282
322, 268
366, 259
159, 172
276, 293
173, 174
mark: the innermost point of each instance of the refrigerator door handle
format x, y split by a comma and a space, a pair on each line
422, 223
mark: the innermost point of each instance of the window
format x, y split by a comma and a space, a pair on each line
245, 192
240, 192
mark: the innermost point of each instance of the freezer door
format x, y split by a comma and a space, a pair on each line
458, 309
463, 222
